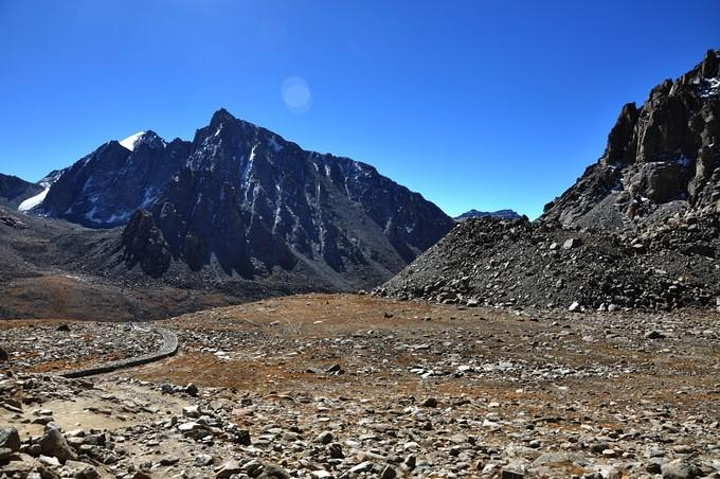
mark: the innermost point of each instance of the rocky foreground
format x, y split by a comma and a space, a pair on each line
352, 386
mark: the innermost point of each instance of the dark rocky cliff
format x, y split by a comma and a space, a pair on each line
661, 158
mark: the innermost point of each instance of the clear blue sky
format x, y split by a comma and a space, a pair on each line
475, 104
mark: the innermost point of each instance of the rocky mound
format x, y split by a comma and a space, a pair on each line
496, 263
638, 230
660, 158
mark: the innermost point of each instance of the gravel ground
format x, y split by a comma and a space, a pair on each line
353, 386
52, 346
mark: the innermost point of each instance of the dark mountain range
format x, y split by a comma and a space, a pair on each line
13, 190
640, 228
240, 199
661, 158
507, 215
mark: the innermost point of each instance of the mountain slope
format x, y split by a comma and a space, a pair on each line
50, 268
660, 158
13, 190
241, 200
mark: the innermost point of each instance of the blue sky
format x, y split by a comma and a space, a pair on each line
475, 104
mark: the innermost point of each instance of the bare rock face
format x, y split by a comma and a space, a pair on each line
144, 244
665, 152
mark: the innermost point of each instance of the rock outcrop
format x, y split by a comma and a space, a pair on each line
640, 228
660, 158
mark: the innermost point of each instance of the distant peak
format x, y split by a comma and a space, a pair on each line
499, 214
221, 116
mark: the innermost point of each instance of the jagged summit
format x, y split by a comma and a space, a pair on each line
148, 138
660, 159
130, 141
240, 199
221, 116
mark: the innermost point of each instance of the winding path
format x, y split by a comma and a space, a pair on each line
169, 348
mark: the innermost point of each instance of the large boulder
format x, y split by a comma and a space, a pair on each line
9, 438
54, 444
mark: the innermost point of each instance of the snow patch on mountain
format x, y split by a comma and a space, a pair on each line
34, 201
132, 140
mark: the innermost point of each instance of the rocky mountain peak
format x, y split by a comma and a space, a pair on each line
241, 200
660, 158
221, 116
507, 215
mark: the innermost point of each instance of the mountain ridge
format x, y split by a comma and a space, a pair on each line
244, 199
505, 214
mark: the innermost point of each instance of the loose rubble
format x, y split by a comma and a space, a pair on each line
57, 347
520, 264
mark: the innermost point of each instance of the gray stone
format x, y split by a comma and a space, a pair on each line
388, 473
5, 453
366, 466
228, 469
572, 243
169, 461
325, 437
192, 390
654, 335
508, 474
679, 469
335, 451
9, 438
53, 443
203, 460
